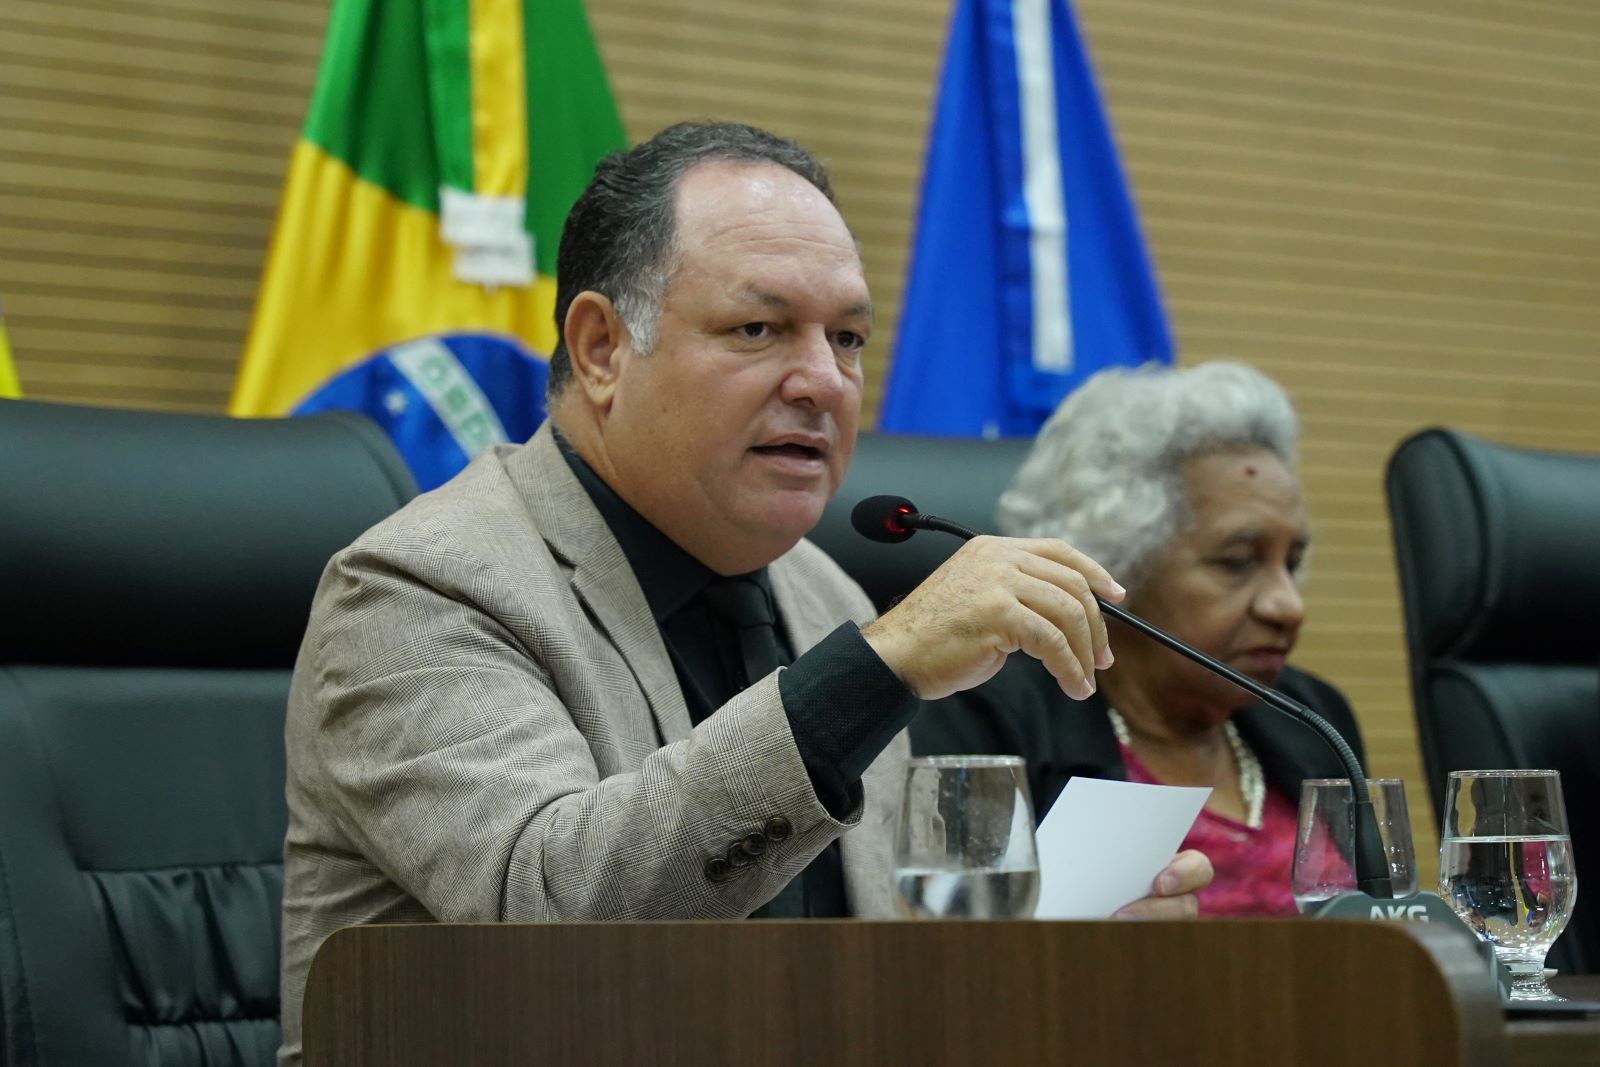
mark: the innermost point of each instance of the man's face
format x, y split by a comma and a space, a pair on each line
735, 431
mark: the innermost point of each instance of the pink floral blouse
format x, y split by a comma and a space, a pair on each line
1253, 867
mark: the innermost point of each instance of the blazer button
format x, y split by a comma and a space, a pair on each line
778, 829
752, 846
718, 869
738, 857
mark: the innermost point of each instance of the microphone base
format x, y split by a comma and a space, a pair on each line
1418, 907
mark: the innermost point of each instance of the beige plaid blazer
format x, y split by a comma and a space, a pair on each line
484, 725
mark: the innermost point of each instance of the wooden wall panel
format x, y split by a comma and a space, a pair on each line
1389, 206
142, 149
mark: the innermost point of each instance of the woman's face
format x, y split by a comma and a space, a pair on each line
1228, 585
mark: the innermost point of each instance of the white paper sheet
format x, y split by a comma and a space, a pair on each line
1103, 843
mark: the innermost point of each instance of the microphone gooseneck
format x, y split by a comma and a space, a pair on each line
892, 519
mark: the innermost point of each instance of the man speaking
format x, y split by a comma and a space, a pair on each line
600, 675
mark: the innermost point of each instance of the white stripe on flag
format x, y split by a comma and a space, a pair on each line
1041, 186
441, 379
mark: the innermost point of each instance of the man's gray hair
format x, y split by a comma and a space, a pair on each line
1106, 472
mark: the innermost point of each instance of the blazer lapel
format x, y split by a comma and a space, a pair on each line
806, 620
602, 578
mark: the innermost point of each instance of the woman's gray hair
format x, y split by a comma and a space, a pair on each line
1106, 472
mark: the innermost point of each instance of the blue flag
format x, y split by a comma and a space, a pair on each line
1028, 271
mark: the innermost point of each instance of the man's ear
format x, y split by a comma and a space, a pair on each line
597, 344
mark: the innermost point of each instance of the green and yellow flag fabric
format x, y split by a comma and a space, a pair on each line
8, 373
412, 273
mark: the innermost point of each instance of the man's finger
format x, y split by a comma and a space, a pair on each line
1042, 639
1075, 584
1051, 548
1059, 609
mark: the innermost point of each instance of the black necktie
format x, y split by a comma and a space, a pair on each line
746, 606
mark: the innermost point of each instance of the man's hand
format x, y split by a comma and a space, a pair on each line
996, 596
1173, 894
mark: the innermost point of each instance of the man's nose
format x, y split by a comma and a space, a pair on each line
813, 375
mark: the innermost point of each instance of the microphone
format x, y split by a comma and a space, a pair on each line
892, 519
883, 518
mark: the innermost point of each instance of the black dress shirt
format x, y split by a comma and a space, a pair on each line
843, 703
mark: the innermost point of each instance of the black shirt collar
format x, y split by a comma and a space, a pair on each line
669, 576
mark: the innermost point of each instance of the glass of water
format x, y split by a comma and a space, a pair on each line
1505, 866
965, 845
1324, 847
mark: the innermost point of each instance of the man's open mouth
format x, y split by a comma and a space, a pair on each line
796, 450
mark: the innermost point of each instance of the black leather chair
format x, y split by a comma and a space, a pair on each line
1498, 551
959, 479
155, 575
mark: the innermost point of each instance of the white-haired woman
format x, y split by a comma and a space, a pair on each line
1182, 484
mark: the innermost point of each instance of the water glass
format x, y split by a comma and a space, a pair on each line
1324, 847
1506, 867
965, 846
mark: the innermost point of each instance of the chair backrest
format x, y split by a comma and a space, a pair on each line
949, 477
1498, 551
156, 571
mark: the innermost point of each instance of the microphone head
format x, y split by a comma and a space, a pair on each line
879, 518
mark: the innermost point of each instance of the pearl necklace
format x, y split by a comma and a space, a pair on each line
1252, 783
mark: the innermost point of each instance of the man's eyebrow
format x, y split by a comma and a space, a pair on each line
761, 296
773, 300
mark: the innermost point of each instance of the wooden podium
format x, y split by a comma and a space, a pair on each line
1279, 993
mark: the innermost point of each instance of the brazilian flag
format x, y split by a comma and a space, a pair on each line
8, 373
412, 272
